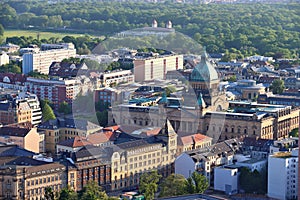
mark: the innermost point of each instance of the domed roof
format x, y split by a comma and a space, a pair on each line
204, 71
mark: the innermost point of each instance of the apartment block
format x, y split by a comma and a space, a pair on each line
149, 68
56, 91
41, 61
283, 185
116, 77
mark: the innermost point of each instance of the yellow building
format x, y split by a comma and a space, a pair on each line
62, 129
136, 156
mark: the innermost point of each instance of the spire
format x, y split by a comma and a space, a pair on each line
201, 101
204, 55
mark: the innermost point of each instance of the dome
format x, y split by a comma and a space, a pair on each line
204, 71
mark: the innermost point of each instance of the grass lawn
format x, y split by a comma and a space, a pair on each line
33, 33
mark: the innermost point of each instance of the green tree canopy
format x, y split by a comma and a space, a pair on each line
173, 185
149, 184
67, 194
200, 182
253, 181
65, 108
48, 113
92, 191
277, 86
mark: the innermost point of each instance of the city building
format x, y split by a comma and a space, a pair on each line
41, 61
247, 89
292, 99
155, 67
4, 58
257, 147
109, 79
204, 160
133, 156
226, 179
192, 142
9, 48
27, 178
283, 169
12, 81
45, 47
56, 91
93, 164
19, 107
67, 69
71, 145
61, 129
27, 138
253, 164
107, 95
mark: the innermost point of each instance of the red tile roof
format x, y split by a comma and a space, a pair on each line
186, 140
75, 142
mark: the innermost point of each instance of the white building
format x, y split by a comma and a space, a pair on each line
41, 61
253, 164
4, 58
34, 104
283, 175
156, 67
206, 159
226, 179
116, 77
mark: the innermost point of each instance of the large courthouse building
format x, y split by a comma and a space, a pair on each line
204, 109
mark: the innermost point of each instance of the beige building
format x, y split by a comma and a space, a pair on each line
191, 142
23, 178
150, 68
27, 138
131, 159
63, 129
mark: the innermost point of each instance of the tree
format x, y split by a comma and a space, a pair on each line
1, 32
294, 132
277, 86
149, 184
190, 186
169, 90
92, 191
253, 181
173, 185
48, 113
200, 182
67, 194
49, 194
65, 108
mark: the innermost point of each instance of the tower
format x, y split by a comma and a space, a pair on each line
154, 24
169, 24
205, 81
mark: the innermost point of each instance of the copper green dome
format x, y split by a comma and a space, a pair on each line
204, 71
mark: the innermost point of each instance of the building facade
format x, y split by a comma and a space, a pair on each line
116, 77
56, 91
41, 61
150, 68
19, 181
287, 164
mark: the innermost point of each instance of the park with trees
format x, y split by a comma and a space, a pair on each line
238, 30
